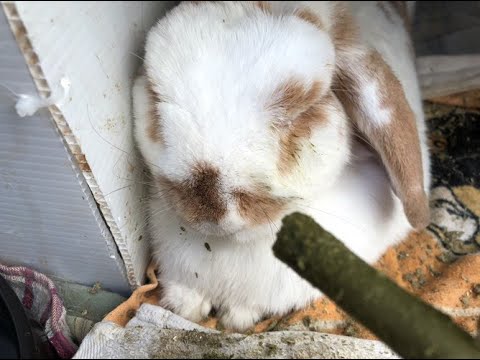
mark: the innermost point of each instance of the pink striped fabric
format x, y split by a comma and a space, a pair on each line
42, 304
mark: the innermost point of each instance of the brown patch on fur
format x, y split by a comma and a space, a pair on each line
310, 17
263, 5
302, 109
198, 198
396, 142
258, 207
292, 139
344, 31
293, 97
153, 129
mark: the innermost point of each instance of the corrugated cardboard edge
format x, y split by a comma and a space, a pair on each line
78, 160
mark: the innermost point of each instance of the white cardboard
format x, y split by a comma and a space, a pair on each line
49, 220
97, 46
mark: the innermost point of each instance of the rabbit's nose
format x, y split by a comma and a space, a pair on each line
203, 198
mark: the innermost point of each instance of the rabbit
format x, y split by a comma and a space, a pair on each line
248, 111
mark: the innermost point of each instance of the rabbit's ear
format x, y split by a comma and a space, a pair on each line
375, 101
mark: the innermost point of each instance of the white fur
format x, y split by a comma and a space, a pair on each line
215, 65
370, 98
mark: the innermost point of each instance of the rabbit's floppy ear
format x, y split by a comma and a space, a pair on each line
375, 101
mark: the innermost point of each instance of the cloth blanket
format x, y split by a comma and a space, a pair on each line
42, 305
155, 333
440, 265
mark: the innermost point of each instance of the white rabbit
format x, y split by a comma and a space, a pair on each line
248, 111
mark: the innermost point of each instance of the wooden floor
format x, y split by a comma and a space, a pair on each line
469, 99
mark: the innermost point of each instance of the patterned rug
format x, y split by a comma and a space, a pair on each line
441, 264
